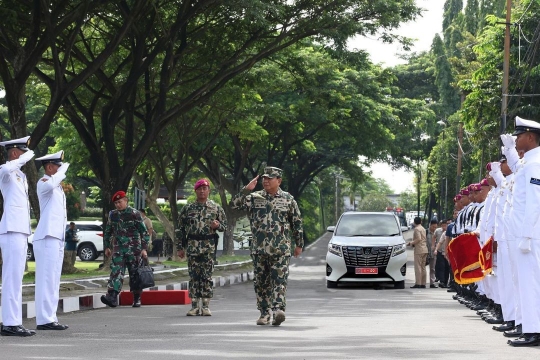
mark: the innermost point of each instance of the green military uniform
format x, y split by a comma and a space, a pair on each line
126, 234
199, 242
275, 223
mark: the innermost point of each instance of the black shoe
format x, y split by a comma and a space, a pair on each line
136, 300
415, 286
422, 286
526, 340
443, 285
433, 286
52, 326
16, 331
494, 320
507, 326
516, 332
110, 299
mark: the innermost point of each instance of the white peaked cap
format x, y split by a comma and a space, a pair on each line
21, 143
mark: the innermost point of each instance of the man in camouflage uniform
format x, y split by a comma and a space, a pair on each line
128, 237
197, 238
275, 221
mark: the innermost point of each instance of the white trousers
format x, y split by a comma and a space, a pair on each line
528, 266
13, 246
49, 254
513, 257
505, 282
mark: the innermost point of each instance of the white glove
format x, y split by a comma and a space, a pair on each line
525, 245
63, 168
24, 158
495, 167
508, 141
512, 157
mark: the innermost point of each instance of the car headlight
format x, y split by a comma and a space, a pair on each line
399, 249
335, 249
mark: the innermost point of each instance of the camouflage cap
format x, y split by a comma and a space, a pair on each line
272, 172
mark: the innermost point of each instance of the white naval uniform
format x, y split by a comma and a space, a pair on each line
14, 231
485, 228
49, 246
524, 229
505, 272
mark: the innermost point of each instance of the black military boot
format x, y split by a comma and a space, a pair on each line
110, 299
136, 300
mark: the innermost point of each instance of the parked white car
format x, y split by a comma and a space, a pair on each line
366, 247
90, 245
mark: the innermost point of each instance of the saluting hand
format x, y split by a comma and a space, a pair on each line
252, 183
214, 225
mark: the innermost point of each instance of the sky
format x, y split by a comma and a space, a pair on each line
423, 30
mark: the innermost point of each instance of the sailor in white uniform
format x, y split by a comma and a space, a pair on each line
49, 240
14, 231
524, 227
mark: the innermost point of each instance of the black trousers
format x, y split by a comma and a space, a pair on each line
442, 268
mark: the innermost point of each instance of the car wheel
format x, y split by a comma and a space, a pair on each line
331, 284
30, 253
399, 284
87, 252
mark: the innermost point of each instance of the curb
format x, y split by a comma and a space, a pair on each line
92, 301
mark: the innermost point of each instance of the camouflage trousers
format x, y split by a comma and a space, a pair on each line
200, 268
270, 281
122, 258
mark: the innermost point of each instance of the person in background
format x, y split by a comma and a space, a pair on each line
49, 240
14, 231
420, 254
71, 249
197, 238
126, 234
149, 227
431, 240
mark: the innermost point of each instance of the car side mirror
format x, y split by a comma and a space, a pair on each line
331, 228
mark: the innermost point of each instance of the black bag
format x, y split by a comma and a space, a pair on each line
428, 259
145, 275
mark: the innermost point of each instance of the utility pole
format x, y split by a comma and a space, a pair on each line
459, 154
506, 66
337, 200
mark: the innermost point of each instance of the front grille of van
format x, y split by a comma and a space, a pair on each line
360, 256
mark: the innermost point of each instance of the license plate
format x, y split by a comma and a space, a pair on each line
366, 270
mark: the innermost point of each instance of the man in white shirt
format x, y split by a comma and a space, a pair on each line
14, 231
49, 240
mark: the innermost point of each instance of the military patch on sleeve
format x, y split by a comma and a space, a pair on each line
535, 181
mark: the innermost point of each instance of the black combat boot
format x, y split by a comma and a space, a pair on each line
136, 300
110, 299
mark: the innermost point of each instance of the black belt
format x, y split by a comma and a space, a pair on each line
202, 237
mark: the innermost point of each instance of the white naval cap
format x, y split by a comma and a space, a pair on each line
523, 126
21, 143
55, 158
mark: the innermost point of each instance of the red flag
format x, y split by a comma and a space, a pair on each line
486, 256
464, 253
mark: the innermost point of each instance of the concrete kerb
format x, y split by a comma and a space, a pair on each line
92, 301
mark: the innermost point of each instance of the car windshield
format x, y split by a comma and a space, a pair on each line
367, 225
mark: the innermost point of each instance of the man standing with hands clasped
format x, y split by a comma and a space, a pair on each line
49, 240
275, 222
126, 234
14, 230
197, 238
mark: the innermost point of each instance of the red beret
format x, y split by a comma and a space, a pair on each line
464, 192
484, 182
488, 166
201, 182
118, 195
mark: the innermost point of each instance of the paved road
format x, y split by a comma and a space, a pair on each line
344, 323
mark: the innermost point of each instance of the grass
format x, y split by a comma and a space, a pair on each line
88, 269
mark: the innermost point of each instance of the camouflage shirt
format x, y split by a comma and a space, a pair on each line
275, 221
194, 221
127, 228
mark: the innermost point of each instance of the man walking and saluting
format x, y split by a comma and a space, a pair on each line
275, 222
